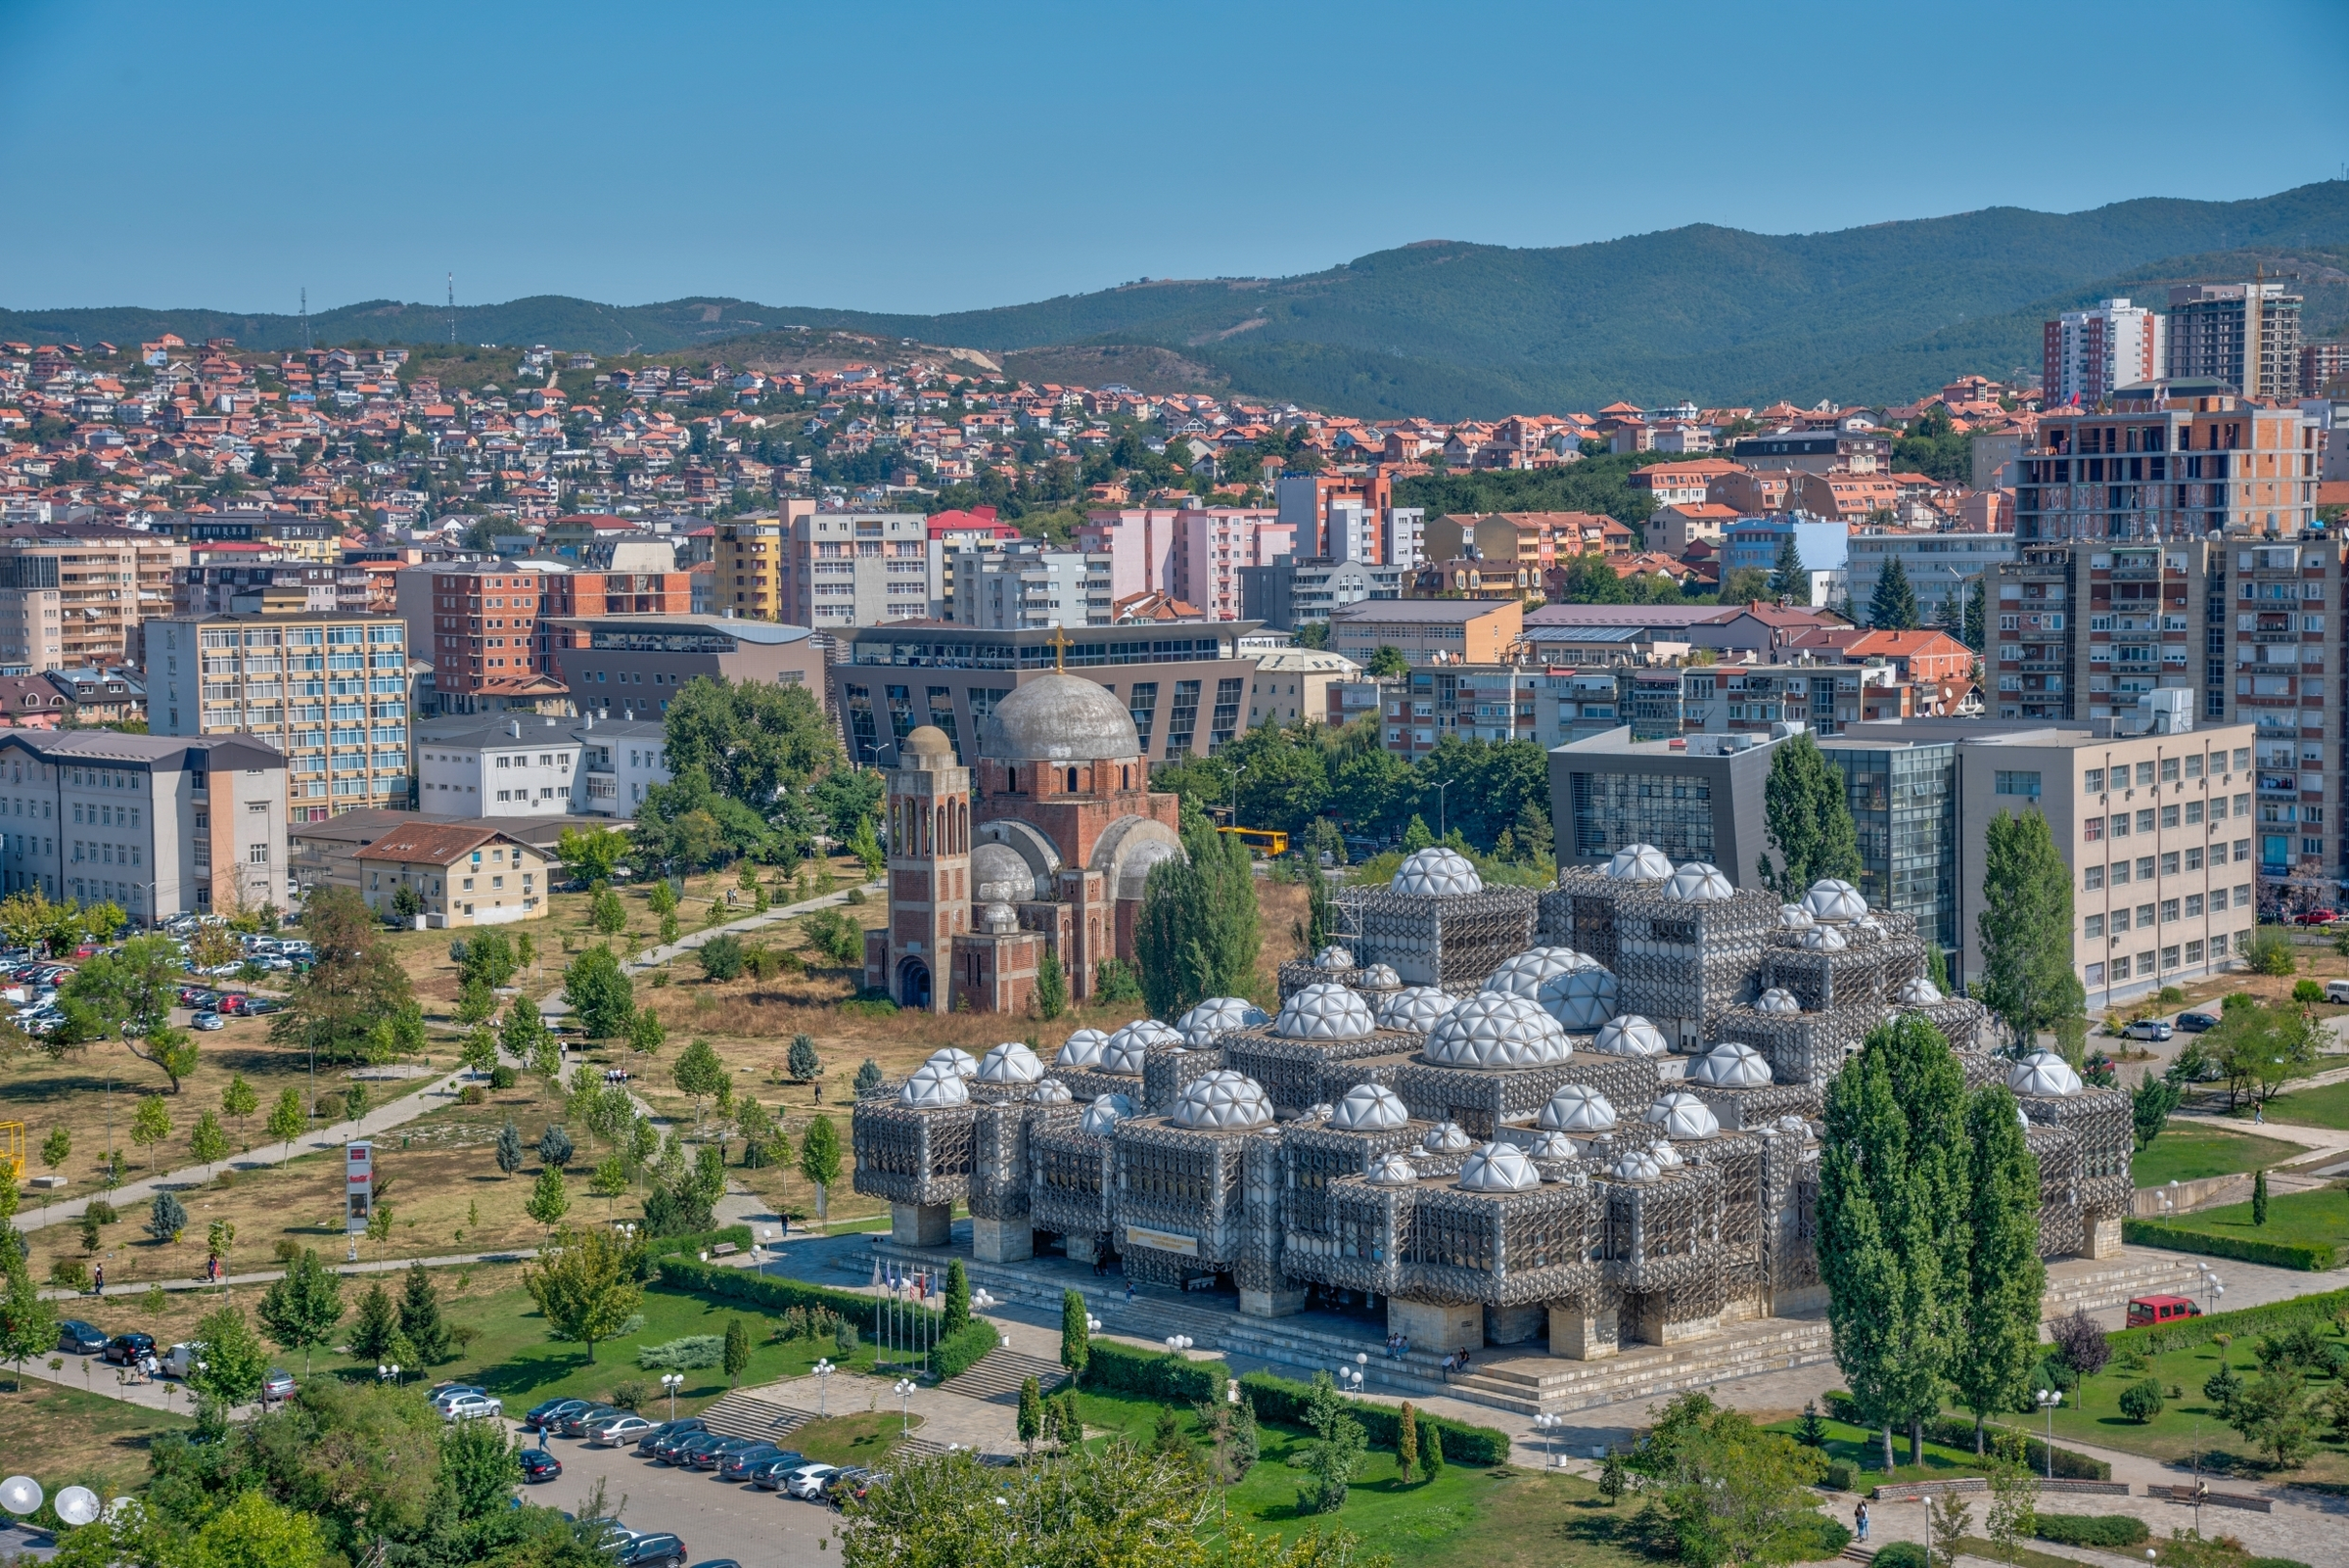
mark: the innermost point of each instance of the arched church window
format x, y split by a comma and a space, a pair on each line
1072, 781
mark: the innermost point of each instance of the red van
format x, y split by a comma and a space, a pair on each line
2144, 1311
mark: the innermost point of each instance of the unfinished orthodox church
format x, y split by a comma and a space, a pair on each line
1587, 1115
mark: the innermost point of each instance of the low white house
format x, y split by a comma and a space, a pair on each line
531, 765
620, 758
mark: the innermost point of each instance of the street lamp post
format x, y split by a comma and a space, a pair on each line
671, 1382
823, 1387
1440, 806
2049, 1399
1548, 1423
905, 1390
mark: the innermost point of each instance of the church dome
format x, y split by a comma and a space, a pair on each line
1499, 1168
1059, 717
1325, 1010
1222, 1099
1630, 1034
1699, 883
928, 743
1105, 1113
961, 1061
1577, 1108
1639, 862
1494, 1030
1083, 1050
1128, 1048
1436, 872
1732, 1066
934, 1087
1682, 1115
2044, 1073
1201, 1024
1415, 1010
1833, 899
1011, 1062
1000, 874
1368, 1108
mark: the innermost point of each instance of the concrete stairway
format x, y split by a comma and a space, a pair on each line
997, 1375
744, 1413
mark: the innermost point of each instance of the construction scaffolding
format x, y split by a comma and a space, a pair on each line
1454, 940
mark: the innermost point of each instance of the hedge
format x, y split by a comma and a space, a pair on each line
1952, 1432
1114, 1369
2314, 1257
692, 1244
1281, 1400
1901, 1554
2184, 1333
953, 1354
2092, 1529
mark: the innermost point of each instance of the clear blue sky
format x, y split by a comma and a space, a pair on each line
918, 156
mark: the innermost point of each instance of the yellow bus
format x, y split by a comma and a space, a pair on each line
1262, 841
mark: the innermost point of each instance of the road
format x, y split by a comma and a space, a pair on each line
714, 1518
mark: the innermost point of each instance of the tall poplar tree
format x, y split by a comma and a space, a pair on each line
1809, 820
2004, 1271
1893, 606
1197, 933
2026, 928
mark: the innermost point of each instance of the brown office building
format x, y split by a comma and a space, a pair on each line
629, 666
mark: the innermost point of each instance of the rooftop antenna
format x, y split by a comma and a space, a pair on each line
452, 307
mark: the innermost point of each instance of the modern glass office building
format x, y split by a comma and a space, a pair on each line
1904, 801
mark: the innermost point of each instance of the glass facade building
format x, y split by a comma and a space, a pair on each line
1904, 802
1613, 809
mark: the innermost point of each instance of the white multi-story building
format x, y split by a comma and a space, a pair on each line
1029, 586
618, 761
530, 765
1941, 567
857, 569
2086, 353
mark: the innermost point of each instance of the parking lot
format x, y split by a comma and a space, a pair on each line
716, 1518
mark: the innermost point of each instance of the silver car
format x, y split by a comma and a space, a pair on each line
617, 1431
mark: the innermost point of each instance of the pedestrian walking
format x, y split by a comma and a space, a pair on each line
98, 1286
1860, 1520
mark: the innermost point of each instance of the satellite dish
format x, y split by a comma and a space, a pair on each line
77, 1505
21, 1495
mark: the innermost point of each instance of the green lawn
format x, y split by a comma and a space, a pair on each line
2189, 1152
68, 1436
2321, 1216
860, 1439
1863, 1450
2327, 1106
513, 1359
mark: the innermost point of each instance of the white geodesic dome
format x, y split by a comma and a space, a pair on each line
1222, 1099
1732, 1065
1556, 1146
1635, 1165
1667, 1157
1011, 1062
1081, 1049
1445, 1138
1585, 1000
1577, 1108
1639, 862
1823, 939
1794, 917
1201, 1024
960, 1061
1049, 1091
1699, 883
1630, 1034
1105, 1113
1415, 1010
1325, 1010
1378, 977
1682, 1115
1778, 1001
1869, 925
1920, 993
1128, 1049
1526, 974
1499, 1168
1334, 956
932, 1086
1368, 1108
2043, 1074
1437, 872
1833, 899
1795, 1126
1496, 1030
1395, 1171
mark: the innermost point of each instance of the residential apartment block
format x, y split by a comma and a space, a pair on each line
1429, 630
1029, 586
2169, 461
156, 827
328, 691
107, 581
831, 570
2087, 353
1288, 594
1941, 567
2244, 335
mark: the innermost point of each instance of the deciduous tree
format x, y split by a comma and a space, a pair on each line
586, 1285
354, 985
2026, 928
1808, 819
599, 993
1196, 934
2006, 1277
301, 1307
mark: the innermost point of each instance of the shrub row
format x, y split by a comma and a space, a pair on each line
1114, 1369
954, 1352
2276, 1317
2312, 1255
1282, 1400
2092, 1529
1953, 1432
691, 1246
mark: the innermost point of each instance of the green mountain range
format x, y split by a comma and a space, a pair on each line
1452, 330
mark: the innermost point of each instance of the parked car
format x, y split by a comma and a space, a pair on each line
277, 1385
551, 1410
710, 1450
670, 1447
78, 1338
256, 1006
738, 1464
646, 1442
2336, 991
2147, 1029
576, 1423
2146, 1310
539, 1465
659, 1550
208, 1022
443, 1393
468, 1406
843, 1487
617, 1431
808, 1481
128, 1350
2197, 1022
233, 1004
2316, 917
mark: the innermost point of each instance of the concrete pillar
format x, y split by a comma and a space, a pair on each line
1583, 1333
1083, 1249
1439, 1329
1655, 1328
2104, 1236
920, 1224
1512, 1326
1001, 1241
1271, 1303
